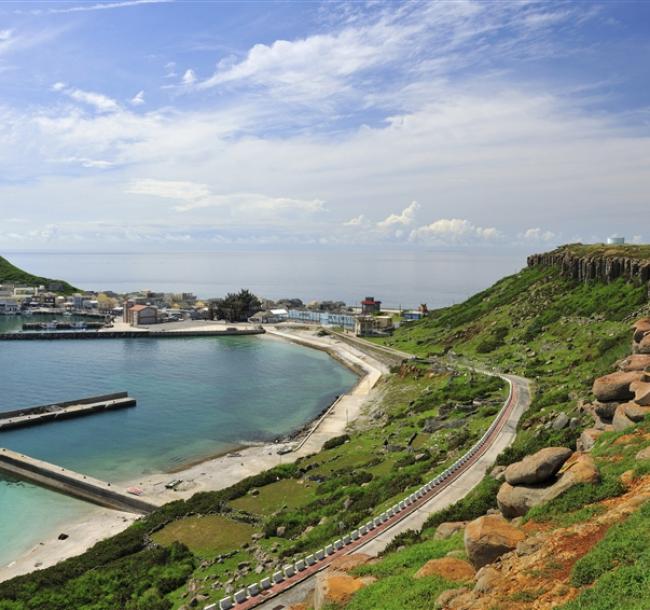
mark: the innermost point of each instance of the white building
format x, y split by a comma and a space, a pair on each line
615, 240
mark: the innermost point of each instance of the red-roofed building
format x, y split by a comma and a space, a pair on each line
369, 306
139, 315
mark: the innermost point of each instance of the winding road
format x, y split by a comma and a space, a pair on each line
292, 585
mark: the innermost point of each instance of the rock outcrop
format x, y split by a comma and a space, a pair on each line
538, 467
448, 529
489, 537
641, 391
593, 267
635, 362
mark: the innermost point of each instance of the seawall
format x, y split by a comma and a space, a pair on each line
125, 334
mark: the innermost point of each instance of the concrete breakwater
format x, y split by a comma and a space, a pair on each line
71, 483
40, 414
126, 334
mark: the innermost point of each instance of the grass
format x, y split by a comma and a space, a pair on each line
288, 493
205, 534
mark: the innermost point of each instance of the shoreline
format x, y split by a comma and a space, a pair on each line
219, 471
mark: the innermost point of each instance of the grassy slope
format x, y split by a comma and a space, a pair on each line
628, 250
11, 274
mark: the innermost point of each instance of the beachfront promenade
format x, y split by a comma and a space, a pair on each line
72, 483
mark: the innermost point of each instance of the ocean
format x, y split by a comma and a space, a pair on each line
405, 278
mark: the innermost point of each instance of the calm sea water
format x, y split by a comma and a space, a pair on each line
196, 397
405, 278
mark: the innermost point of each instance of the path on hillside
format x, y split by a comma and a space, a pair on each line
451, 490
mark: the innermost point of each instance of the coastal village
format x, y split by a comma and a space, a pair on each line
147, 308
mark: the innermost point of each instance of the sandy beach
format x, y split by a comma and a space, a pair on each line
222, 471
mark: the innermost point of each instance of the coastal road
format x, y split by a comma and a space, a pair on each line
456, 486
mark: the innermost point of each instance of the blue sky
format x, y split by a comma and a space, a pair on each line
203, 125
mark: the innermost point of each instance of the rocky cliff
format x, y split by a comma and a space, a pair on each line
584, 263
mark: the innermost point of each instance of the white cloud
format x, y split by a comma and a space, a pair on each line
170, 189
137, 99
403, 219
356, 221
99, 101
189, 78
453, 230
538, 235
101, 6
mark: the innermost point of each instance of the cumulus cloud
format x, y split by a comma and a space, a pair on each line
403, 219
453, 230
356, 221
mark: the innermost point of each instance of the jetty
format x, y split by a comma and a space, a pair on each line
126, 334
72, 483
31, 416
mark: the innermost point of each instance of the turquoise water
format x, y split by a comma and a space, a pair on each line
196, 397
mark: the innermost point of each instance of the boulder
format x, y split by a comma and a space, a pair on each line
641, 328
644, 454
588, 439
515, 501
643, 346
621, 421
615, 386
336, 588
635, 412
448, 568
635, 362
538, 467
448, 529
605, 410
560, 422
486, 579
489, 537
641, 391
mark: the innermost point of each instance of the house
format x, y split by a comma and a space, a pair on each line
369, 306
373, 325
411, 315
139, 315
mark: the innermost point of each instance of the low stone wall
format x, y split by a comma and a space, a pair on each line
124, 334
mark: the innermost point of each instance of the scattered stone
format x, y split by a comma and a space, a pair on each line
448, 568
560, 422
446, 597
63, 536
644, 454
643, 346
448, 529
627, 478
615, 386
528, 547
280, 531
641, 328
538, 467
621, 421
588, 439
486, 578
489, 537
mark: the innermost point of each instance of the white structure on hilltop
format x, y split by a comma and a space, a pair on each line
615, 240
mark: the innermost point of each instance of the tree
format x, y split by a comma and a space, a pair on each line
235, 307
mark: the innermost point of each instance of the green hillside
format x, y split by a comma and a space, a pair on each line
557, 332
13, 275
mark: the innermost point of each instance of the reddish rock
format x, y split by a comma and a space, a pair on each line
336, 588
643, 346
588, 439
538, 467
615, 386
448, 568
489, 537
486, 579
345, 563
635, 362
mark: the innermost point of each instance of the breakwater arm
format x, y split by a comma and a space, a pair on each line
71, 483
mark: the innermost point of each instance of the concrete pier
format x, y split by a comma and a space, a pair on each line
31, 416
71, 483
125, 334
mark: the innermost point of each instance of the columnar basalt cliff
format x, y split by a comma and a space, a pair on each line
583, 263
